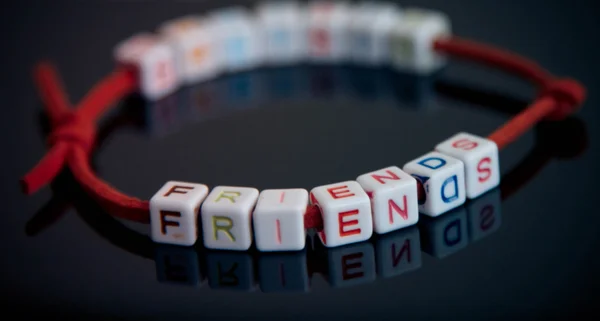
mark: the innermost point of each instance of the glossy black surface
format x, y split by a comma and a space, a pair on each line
527, 250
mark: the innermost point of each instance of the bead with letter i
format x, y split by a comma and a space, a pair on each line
174, 212
346, 212
226, 218
193, 43
153, 60
480, 156
394, 199
279, 219
412, 38
443, 180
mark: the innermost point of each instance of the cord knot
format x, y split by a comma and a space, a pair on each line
568, 93
74, 129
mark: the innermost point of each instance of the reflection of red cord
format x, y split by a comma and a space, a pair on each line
73, 134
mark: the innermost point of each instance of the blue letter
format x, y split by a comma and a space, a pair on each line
434, 159
451, 197
457, 236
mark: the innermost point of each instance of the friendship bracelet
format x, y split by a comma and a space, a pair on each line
229, 40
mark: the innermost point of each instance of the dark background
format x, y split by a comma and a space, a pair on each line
301, 127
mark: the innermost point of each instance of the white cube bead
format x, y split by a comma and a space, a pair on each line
443, 178
283, 26
446, 234
195, 55
346, 212
230, 271
394, 200
328, 31
154, 62
484, 215
412, 39
226, 218
283, 272
239, 38
370, 28
177, 265
279, 220
351, 265
398, 252
480, 156
174, 212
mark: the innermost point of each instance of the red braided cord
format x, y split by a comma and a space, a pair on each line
73, 131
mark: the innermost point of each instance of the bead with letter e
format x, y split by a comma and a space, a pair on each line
346, 212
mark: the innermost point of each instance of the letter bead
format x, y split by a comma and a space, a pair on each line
174, 212
239, 38
279, 219
370, 28
192, 41
443, 179
480, 156
346, 212
154, 62
328, 32
226, 218
394, 199
284, 30
412, 38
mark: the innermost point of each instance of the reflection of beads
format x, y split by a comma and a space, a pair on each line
464, 166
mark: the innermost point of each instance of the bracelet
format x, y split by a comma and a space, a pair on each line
390, 255
191, 49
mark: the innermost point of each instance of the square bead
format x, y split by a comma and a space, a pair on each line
346, 212
371, 25
484, 215
230, 271
226, 218
192, 41
153, 60
398, 252
174, 212
284, 30
443, 179
328, 32
240, 38
351, 265
279, 220
177, 265
480, 156
412, 38
445, 235
394, 200
283, 272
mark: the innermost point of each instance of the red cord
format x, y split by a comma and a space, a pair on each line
73, 130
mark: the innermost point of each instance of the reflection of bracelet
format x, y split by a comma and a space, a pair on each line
385, 200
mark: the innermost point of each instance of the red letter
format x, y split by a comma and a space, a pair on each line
487, 217
346, 266
486, 170
278, 224
335, 193
174, 190
464, 144
405, 247
392, 206
348, 223
380, 178
164, 223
